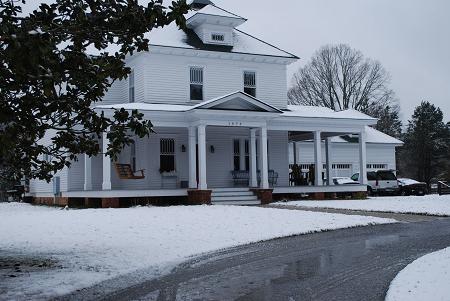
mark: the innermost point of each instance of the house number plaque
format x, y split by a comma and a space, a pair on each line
234, 123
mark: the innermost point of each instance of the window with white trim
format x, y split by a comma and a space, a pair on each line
217, 37
133, 155
196, 83
250, 83
236, 155
131, 86
166, 154
247, 155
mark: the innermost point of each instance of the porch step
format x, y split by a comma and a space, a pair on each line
233, 196
232, 189
231, 193
238, 203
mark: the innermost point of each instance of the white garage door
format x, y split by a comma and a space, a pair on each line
342, 170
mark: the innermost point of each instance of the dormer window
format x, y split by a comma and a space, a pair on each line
196, 83
131, 87
250, 83
217, 37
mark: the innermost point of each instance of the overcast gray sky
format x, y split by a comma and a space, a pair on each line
411, 38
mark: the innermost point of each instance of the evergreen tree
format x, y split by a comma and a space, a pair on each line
56, 64
426, 143
388, 121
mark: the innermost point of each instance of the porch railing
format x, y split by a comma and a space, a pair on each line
443, 187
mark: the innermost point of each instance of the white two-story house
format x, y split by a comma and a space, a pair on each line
217, 98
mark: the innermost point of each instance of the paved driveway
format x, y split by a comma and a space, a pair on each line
350, 264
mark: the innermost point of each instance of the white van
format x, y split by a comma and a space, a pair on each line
380, 181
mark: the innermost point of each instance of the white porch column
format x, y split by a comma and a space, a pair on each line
318, 159
242, 153
328, 152
192, 157
106, 184
263, 161
202, 157
362, 157
87, 172
253, 173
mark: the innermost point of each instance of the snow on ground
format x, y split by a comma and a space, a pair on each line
81, 247
426, 278
432, 204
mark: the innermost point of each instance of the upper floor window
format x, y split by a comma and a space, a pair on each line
131, 86
217, 37
196, 83
250, 83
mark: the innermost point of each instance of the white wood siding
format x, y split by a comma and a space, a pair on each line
279, 155
118, 92
219, 164
44, 187
75, 175
161, 78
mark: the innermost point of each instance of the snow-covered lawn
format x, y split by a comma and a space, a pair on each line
432, 204
82, 247
427, 278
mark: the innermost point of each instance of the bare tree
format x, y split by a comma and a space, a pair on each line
339, 77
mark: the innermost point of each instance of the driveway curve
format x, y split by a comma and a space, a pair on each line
348, 264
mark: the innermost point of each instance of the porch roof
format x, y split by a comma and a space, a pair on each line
372, 136
322, 112
238, 105
236, 101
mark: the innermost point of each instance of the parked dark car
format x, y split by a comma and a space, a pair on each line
412, 187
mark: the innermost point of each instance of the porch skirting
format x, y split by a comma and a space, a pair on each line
320, 192
128, 198
108, 202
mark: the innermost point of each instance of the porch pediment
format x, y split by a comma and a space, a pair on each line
237, 101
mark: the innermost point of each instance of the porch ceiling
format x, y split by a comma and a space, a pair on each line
296, 136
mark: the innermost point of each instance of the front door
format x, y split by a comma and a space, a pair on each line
241, 154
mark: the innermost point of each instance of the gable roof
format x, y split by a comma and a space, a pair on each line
238, 101
375, 136
244, 43
372, 136
212, 10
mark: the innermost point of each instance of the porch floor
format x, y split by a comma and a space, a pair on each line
313, 189
183, 192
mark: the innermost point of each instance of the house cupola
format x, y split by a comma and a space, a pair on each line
212, 24
199, 4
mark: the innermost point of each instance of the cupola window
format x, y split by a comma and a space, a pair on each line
217, 37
